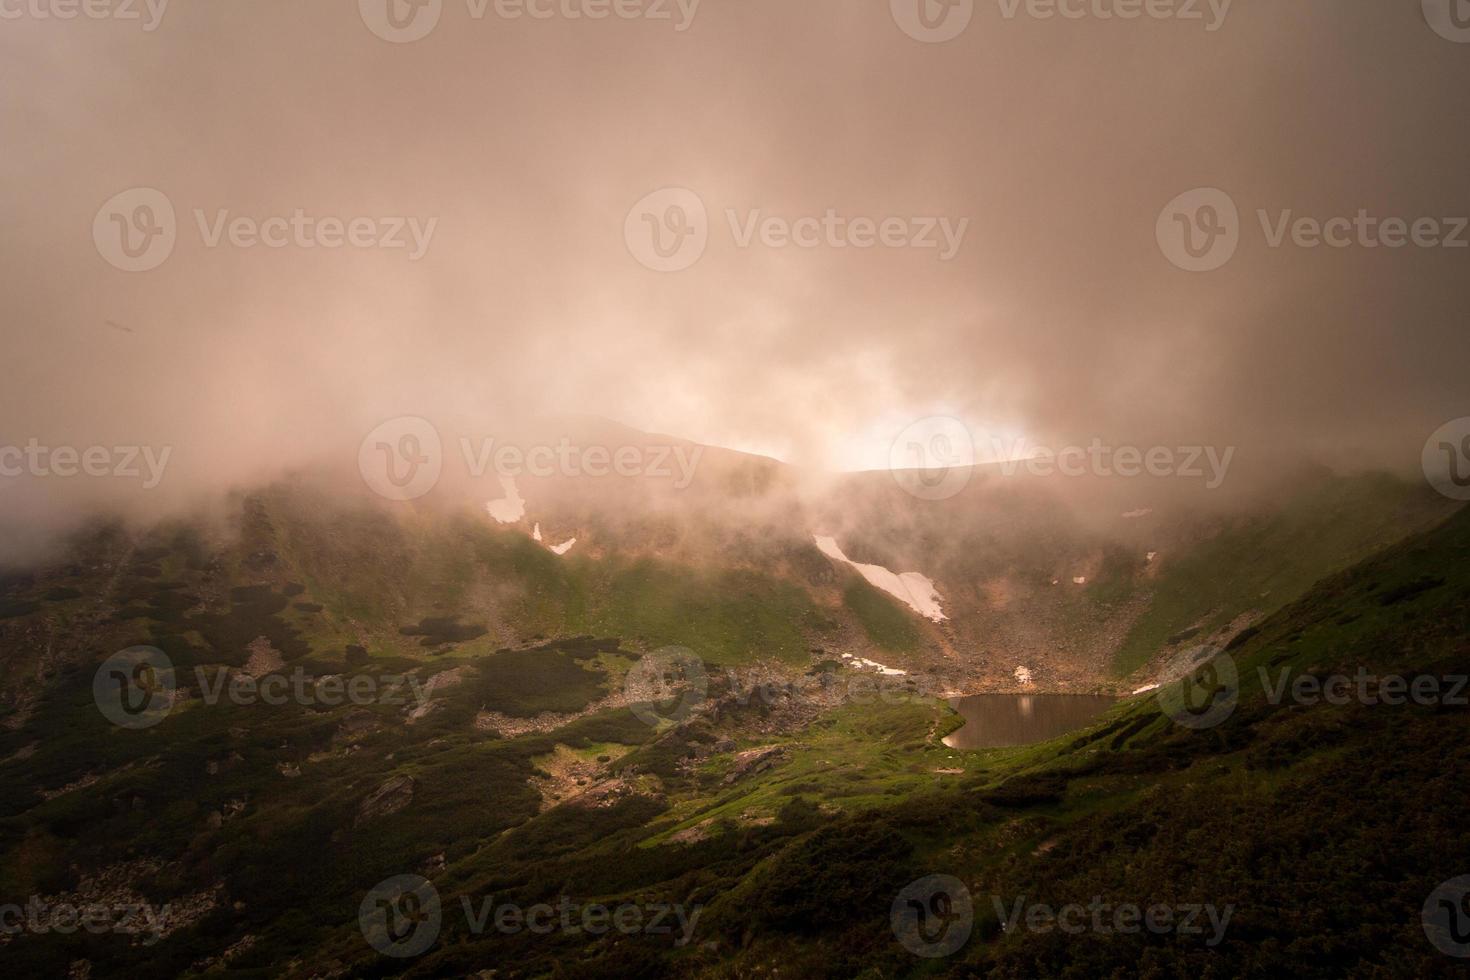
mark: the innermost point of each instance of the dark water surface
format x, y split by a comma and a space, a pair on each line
996, 720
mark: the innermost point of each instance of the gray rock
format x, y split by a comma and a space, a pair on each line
389, 798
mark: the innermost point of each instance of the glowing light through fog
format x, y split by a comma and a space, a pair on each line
938, 439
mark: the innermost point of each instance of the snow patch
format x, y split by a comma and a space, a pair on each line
510, 508
1080, 580
911, 588
1140, 512
875, 665
556, 549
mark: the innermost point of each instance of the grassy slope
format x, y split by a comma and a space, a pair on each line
1266, 562
368, 569
371, 570
1326, 827
888, 625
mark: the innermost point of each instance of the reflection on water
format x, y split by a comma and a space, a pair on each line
995, 720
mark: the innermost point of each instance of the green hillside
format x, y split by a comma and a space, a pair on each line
1263, 562
1322, 827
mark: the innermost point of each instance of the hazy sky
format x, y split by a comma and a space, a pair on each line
527, 141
